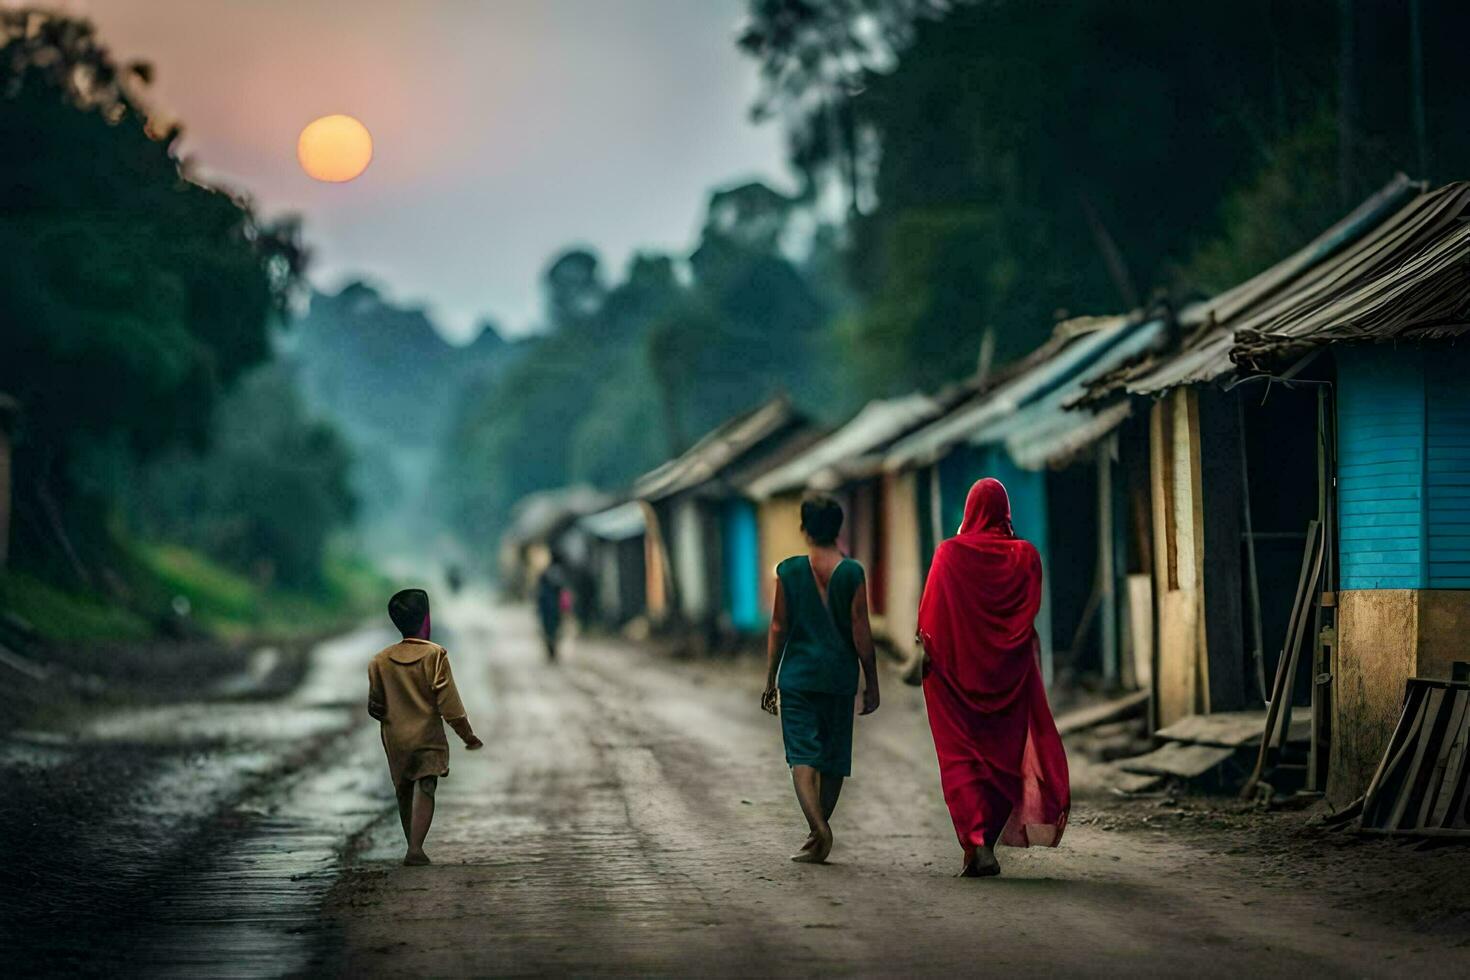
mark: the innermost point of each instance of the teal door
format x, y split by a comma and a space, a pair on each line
742, 565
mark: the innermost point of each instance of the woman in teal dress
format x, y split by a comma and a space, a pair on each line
819, 636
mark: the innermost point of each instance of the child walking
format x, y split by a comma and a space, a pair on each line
819, 636
411, 692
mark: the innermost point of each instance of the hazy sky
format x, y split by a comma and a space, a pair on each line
503, 129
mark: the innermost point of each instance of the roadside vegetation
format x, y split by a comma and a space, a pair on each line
167, 481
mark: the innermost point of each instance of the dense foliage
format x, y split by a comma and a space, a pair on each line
1010, 162
996, 165
627, 374
132, 299
392, 384
1000, 165
266, 494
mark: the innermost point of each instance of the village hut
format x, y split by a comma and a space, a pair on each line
1310, 485
1062, 497
541, 522
704, 528
617, 546
848, 465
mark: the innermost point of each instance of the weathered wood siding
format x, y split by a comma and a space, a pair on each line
1447, 476
1404, 468
1180, 687
779, 522
905, 578
1380, 469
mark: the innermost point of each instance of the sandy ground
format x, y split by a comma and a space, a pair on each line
632, 815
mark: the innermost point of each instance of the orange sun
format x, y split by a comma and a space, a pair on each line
335, 149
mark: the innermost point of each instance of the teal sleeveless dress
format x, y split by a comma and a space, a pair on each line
818, 676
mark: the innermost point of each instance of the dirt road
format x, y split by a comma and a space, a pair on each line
633, 816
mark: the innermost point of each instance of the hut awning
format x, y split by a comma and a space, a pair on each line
541, 515
718, 450
1059, 437
617, 523
1409, 282
1392, 270
827, 463
1048, 385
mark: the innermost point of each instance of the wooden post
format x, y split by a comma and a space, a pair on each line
1106, 570
9, 409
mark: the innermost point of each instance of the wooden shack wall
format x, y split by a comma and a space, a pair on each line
778, 521
903, 560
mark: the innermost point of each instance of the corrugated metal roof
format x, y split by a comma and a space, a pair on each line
1057, 437
1047, 431
1240, 298
1080, 352
541, 514
616, 523
1205, 355
1410, 280
874, 427
778, 452
719, 449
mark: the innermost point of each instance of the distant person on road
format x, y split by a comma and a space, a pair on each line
552, 599
819, 636
1001, 761
411, 692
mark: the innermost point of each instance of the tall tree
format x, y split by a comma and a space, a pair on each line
814, 56
131, 295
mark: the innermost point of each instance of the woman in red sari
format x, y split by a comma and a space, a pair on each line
1000, 758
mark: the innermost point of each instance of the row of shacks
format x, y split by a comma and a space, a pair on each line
1259, 498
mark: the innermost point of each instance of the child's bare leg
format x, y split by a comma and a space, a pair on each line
404, 792
808, 784
423, 815
831, 787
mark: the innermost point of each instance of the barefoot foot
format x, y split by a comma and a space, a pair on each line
981, 864
416, 858
819, 850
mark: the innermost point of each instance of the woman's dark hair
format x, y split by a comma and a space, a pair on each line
407, 609
821, 518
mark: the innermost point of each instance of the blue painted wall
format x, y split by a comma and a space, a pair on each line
1403, 488
1027, 491
1447, 459
742, 565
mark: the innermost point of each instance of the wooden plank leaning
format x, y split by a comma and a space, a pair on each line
1451, 790
1290, 650
1410, 718
1432, 704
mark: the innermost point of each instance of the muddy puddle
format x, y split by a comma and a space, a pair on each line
187, 840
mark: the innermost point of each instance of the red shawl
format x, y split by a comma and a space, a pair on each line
1000, 758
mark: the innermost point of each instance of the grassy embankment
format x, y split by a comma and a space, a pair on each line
69, 650
221, 603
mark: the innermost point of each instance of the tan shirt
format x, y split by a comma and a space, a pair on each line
411, 691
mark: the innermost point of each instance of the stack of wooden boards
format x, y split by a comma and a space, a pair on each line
1215, 749
1420, 788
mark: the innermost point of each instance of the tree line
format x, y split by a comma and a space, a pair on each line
964, 170
1000, 165
140, 312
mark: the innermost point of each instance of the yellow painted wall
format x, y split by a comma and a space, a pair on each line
905, 575
778, 521
1181, 685
1385, 636
1444, 624
655, 566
